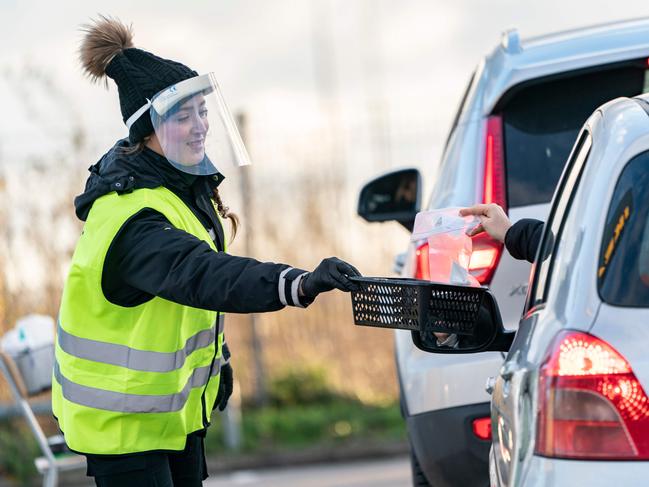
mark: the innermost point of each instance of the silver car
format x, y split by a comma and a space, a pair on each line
519, 118
569, 404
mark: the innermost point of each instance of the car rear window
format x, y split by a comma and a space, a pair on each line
541, 122
623, 268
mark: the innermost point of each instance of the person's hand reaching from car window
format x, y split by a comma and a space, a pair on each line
493, 220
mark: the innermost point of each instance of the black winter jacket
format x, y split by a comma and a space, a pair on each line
523, 238
149, 257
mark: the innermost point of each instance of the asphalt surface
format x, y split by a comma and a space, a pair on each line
380, 473
376, 473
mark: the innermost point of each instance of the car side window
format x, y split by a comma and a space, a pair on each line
623, 267
552, 231
460, 109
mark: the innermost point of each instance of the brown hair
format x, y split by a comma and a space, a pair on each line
224, 211
131, 150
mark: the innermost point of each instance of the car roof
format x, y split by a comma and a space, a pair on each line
516, 60
622, 132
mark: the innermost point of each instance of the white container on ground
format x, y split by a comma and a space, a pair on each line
31, 345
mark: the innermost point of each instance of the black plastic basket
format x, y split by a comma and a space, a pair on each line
390, 303
453, 309
416, 305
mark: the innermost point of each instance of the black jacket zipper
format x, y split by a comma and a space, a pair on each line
205, 206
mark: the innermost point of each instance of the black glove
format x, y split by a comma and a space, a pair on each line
332, 273
226, 383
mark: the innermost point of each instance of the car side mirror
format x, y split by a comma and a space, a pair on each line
393, 196
485, 330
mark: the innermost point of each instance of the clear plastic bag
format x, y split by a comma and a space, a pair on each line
449, 246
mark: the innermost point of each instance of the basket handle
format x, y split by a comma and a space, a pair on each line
16, 376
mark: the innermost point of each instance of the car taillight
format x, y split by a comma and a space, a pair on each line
487, 251
422, 269
494, 163
485, 257
482, 428
591, 405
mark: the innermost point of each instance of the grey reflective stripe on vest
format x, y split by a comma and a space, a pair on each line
132, 358
133, 403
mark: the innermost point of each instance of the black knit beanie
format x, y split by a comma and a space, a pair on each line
107, 50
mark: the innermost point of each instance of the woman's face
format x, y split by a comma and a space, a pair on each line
183, 131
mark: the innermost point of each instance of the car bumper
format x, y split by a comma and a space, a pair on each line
544, 472
448, 451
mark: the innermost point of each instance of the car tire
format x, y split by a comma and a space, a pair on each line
418, 477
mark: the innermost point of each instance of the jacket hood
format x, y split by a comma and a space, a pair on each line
122, 172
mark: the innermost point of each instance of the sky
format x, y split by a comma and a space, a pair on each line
288, 62
383, 78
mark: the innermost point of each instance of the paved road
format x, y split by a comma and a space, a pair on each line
383, 473
379, 473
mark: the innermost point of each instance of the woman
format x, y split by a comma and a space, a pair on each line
141, 359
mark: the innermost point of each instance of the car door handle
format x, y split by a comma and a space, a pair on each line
508, 369
490, 385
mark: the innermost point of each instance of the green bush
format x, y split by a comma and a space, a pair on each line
301, 386
292, 427
18, 448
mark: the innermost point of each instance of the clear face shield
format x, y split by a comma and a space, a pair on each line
195, 129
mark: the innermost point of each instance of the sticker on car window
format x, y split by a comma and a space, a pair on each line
614, 231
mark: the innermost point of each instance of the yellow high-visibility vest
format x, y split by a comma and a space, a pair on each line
131, 379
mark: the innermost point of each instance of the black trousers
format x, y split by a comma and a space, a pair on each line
156, 469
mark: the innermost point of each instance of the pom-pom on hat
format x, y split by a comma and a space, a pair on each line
107, 51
